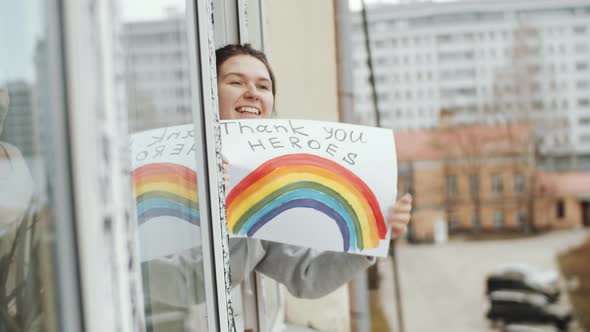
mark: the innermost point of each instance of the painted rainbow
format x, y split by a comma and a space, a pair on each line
166, 189
307, 181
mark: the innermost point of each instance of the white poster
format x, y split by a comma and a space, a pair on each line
165, 188
316, 184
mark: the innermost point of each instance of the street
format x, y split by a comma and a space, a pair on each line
442, 286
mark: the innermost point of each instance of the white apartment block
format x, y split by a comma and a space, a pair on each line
483, 60
20, 122
157, 73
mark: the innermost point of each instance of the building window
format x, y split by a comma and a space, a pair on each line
474, 184
475, 220
498, 219
519, 184
560, 209
521, 218
580, 30
454, 223
581, 66
496, 184
452, 185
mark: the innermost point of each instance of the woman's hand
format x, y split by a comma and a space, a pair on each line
399, 216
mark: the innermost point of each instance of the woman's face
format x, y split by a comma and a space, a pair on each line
244, 88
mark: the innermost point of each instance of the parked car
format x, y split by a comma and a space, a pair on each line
522, 277
521, 307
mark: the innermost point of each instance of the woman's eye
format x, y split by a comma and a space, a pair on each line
263, 87
235, 83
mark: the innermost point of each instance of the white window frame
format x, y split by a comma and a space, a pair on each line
110, 297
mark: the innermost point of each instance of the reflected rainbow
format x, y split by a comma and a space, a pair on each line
307, 181
166, 189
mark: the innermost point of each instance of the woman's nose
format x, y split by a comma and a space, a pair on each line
252, 92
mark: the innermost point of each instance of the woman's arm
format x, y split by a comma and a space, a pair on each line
309, 273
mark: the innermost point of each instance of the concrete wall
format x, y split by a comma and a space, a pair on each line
302, 50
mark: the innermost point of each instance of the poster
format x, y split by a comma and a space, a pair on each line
316, 184
165, 190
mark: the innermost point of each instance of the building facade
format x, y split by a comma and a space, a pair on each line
482, 179
157, 72
488, 62
20, 119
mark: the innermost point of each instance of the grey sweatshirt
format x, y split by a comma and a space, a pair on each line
176, 282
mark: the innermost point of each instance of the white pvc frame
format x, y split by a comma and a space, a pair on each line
209, 165
110, 281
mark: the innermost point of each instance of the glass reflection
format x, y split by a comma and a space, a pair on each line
157, 76
26, 233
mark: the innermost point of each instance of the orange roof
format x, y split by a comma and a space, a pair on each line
565, 183
463, 142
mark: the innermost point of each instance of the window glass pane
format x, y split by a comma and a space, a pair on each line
27, 229
158, 89
255, 31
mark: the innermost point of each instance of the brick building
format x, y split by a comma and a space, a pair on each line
482, 178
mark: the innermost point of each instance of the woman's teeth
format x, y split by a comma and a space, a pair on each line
249, 110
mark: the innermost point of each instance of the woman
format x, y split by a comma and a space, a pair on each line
247, 87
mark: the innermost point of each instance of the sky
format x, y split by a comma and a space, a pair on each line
134, 10
19, 33
356, 4
141, 10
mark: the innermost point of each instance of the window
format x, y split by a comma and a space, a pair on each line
35, 191
474, 184
177, 269
497, 184
498, 219
454, 223
580, 30
521, 218
519, 183
475, 219
452, 185
581, 66
560, 209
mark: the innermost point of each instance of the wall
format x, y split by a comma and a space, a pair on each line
302, 51
546, 212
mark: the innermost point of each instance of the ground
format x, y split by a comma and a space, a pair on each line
442, 286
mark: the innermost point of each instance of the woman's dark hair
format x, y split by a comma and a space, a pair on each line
228, 51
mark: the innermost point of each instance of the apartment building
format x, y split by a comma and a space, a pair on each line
486, 61
157, 72
20, 119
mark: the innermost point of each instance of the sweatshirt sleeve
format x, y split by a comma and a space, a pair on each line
309, 273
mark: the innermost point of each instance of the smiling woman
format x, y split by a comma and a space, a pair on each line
245, 89
246, 84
